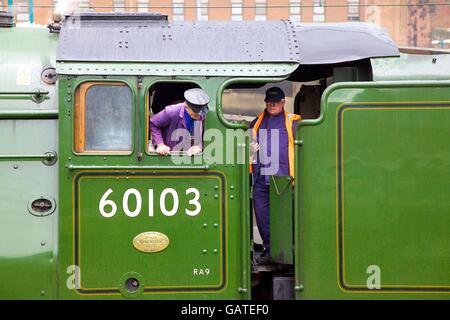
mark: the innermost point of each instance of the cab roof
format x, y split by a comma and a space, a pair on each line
150, 38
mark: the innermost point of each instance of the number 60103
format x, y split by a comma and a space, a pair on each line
108, 207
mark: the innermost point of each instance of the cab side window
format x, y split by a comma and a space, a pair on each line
103, 118
161, 95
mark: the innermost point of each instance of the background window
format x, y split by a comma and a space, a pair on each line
103, 118
353, 10
236, 10
295, 10
319, 11
22, 10
63, 6
202, 10
142, 5
260, 10
119, 5
178, 10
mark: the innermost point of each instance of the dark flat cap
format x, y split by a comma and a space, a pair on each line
274, 94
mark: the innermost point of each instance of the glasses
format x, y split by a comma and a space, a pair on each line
270, 103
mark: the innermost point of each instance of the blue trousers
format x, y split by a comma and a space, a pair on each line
261, 204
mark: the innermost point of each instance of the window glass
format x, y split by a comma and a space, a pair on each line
241, 102
108, 118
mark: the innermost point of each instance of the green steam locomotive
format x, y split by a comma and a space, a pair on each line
89, 211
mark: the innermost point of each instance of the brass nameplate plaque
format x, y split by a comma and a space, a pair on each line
151, 241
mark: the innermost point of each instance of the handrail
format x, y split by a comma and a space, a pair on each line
48, 158
37, 95
297, 285
76, 167
138, 119
245, 218
30, 114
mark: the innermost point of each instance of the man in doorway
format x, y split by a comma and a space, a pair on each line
187, 117
276, 122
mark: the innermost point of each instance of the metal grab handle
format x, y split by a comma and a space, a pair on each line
49, 158
37, 95
72, 167
30, 114
245, 218
297, 285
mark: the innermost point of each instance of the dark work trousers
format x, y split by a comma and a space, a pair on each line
262, 208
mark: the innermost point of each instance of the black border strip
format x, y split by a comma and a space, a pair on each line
340, 202
145, 174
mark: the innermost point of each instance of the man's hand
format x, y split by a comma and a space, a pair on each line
162, 149
194, 150
254, 147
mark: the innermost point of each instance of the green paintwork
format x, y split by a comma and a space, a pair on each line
171, 267
28, 130
281, 228
107, 258
28, 243
395, 177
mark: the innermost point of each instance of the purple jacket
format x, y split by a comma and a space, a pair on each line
273, 123
164, 123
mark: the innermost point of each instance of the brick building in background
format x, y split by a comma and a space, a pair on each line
414, 23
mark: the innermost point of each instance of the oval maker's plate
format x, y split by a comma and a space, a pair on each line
151, 241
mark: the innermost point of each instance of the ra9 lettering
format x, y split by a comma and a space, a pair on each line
108, 207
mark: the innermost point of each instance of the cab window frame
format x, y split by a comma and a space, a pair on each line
235, 123
149, 112
79, 119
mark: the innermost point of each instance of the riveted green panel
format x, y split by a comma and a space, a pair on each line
208, 253
25, 53
372, 206
393, 196
28, 240
196, 242
178, 69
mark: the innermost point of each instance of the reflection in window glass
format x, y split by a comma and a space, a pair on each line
246, 103
108, 119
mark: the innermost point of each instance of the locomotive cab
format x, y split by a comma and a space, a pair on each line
160, 208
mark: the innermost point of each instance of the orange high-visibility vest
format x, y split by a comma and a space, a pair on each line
289, 121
